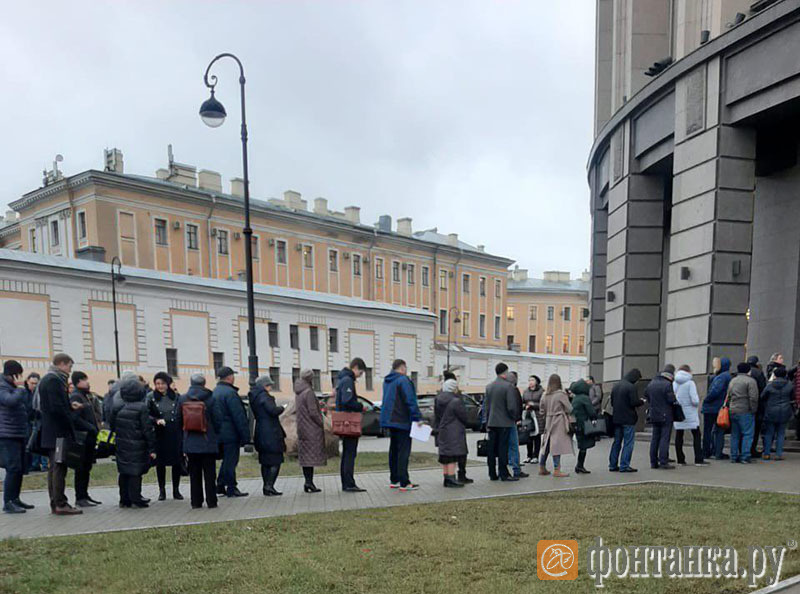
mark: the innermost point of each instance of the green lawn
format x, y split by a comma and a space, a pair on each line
480, 546
106, 474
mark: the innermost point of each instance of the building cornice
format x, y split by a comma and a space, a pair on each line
9, 230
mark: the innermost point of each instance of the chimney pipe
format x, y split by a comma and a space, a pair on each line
452, 239
321, 206
353, 214
237, 187
404, 226
385, 223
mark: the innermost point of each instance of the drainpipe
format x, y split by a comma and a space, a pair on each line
208, 236
371, 266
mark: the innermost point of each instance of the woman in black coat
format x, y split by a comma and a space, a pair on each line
169, 450
135, 440
450, 418
269, 436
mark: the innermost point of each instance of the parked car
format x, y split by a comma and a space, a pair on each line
371, 419
471, 403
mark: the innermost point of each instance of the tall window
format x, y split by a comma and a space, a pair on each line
533, 312
498, 288
368, 379
550, 313
356, 264
191, 237
379, 268
32, 239
82, 225
510, 312
482, 325
161, 231
333, 340
275, 376
567, 313
254, 246
426, 276
308, 256
442, 321
565, 344
443, 280
172, 362
410, 272
219, 360
465, 321
273, 334
509, 340
280, 251
497, 327
465, 283
54, 238
313, 332
581, 345
548, 344
294, 337
333, 260
415, 379
584, 313
532, 343
482, 286
396, 272
316, 383
295, 374
222, 242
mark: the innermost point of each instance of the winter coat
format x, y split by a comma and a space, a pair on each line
557, 410
778, 397
169, 449
450, 418
596, 396
399, 407
743, 395
135, 434
582, 410
13, 411
686, 394
533, 398
501, 404
346, 396
87, 419
195, 442
310, 426
660, 396
625, 399
268, 437
234, 428
718, 389
56, 412
761, 380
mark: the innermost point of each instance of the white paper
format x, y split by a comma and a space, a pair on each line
420, 432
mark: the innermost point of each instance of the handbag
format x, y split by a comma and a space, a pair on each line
346, 424
677, 413
525, 432
483, 448
70, 451
594, 427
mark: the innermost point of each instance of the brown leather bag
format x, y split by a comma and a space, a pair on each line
346, 424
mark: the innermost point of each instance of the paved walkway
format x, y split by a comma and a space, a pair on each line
770, 476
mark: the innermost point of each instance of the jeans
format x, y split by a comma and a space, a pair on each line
202, 468
38, 462
130, 488
498, 452
698, 450
513, 450
227, 470
776, 430
713, 437
348, 463
741, 429
12, 454
623, 438
57, 482
659, 444
399, 451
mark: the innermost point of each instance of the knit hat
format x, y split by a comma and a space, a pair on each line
450, 385
743, 368
752, 360
12, 368
224, 372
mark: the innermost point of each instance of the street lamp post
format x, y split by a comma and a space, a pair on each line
450, 323
213, 114
116, 277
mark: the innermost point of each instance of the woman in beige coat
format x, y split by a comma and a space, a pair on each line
557, 440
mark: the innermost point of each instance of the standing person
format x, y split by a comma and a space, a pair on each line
743, 399
531, 400
761, 381
661, 397
583, 410
450, 417
169, 450
347, 401
234, 431
57, 422
87, 417
624, 399
310, 430
200, 424
716, 368
462, 461
778, 397
13, 431
398, 411
36, 462
557, 440
499, 411
686, 394
136, 441
713, 435
797, 400
595, 394
513, 436
268, 435
775, 361
607, 410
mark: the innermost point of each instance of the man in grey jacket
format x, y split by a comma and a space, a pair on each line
743, 402
500, 414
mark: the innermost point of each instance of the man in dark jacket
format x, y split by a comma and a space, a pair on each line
761, 382
234, 431
500, 414
201, 448
624, 400
347, 401
660, 396
714, 436
398, 410
87, 418
13, 431
57, 423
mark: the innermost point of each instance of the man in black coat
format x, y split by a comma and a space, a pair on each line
660, 395
57, 423
347, 401
624, 400
87, 418
234, 431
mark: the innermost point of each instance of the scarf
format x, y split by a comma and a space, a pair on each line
62, 375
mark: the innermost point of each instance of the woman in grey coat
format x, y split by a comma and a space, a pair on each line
450, 419
310, 430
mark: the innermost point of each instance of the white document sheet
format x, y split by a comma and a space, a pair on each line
420, 432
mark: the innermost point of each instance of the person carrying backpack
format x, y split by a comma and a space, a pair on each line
198, 419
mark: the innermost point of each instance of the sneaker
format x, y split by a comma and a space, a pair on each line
702, 464
13, 508
534, 460
630, 469
394, 485
410, 487
666, 467
522, 475
22, 504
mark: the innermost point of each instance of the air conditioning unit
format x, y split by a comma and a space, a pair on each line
365, 260
176, 225
450, 274
237, 235
271, 243
346, 255
298, 247
213, 233
404, 266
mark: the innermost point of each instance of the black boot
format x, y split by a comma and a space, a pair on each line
162, 494
450, 482
462, 478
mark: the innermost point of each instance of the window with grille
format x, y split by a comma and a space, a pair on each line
161, 231
191, 237
333, 340
172, 362
219, 361
280, 251
533, 312
313, 332
465, 282
316, 383
275, 376
379, 268
222, 242
567, 313
272, 329
426, 278
396, 272
482, 286
410, 274
333, 258
294, 337
356, 264
308, 256
550, 313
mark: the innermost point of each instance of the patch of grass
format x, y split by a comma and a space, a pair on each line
480, 546
105, 474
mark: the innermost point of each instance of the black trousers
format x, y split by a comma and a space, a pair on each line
581, 458
498, 452
659, 444
348, 463
227, 470
462, 467
269, 474
161, 474
399, 452
698, 448
82, 475
534, 446
202, 468
130, 488
759, 422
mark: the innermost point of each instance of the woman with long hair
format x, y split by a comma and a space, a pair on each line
557, 440
531, 400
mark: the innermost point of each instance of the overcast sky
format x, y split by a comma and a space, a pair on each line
471, 116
